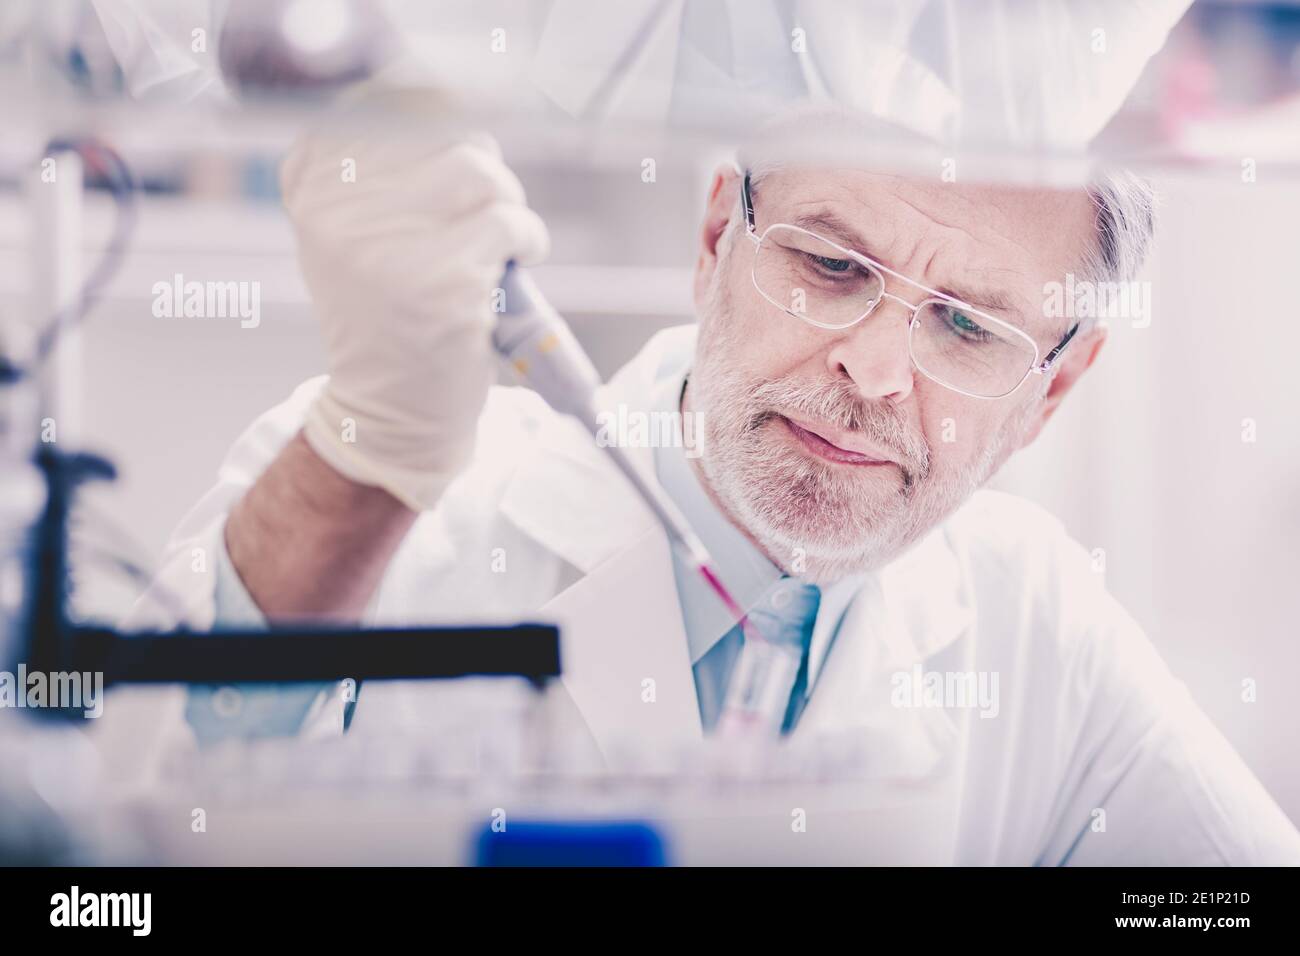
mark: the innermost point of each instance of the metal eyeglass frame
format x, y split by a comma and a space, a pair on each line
1035, 367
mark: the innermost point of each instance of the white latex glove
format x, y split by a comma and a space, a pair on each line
401, 265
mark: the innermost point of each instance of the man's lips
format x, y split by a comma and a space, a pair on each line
822, 446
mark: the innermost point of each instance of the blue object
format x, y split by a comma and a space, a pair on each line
570, 843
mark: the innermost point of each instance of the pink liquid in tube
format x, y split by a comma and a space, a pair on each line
737, 612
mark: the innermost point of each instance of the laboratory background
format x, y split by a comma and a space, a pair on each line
1177, 464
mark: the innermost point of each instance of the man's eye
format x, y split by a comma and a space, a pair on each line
965, 323
833, 265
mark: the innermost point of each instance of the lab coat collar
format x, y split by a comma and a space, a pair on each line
903, 615
624, 654
566, 493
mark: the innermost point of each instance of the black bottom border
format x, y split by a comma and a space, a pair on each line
302, 905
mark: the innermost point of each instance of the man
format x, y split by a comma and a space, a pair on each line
870, 349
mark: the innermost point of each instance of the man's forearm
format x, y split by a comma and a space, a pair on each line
308, 543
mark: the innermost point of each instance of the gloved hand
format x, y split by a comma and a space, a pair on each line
401, 264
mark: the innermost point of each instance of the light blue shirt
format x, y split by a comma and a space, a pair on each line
247, 710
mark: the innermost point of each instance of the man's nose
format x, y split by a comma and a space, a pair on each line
874, 355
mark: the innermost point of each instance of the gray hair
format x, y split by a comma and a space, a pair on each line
1125, 226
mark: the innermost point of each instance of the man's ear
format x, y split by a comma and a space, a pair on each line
1076, 360
723, 202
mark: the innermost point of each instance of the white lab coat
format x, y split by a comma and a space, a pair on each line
1096, 754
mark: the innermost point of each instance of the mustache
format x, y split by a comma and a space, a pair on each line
839, 404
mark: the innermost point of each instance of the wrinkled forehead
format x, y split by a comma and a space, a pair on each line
990, 245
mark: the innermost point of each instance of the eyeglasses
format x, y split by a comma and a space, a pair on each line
832, 287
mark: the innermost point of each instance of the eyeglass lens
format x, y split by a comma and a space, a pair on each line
814, 279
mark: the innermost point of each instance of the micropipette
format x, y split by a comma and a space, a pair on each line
540, 347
